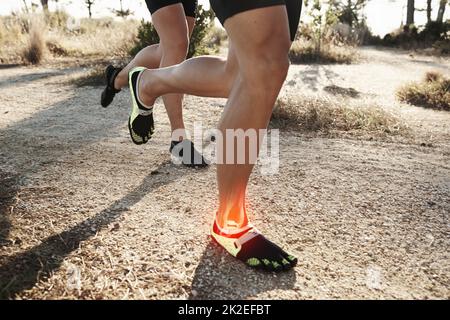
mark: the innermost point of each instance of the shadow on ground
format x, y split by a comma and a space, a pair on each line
311, 76
8, 191
24, 270
33, 145
215, 277
28, 78
8, 65
341, 91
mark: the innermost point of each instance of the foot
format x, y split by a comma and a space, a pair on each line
110, 91
186, 152
140, 122
252, 248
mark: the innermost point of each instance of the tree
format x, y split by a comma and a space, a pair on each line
204, 20
122, 12
89, 4
410, 12
348, 12
26, 6
429, 11
44, 4
442, 5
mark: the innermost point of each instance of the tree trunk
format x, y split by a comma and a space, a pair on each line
429, 11
44, 5
442, 5
89, 4
26, 6
410, 13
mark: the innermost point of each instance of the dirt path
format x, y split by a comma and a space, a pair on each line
87, 214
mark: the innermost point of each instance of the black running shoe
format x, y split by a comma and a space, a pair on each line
186, 152
109, 92
252, 248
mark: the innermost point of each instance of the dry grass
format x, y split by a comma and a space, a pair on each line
98, 38
35, 51
13, 39
304, 51
62, 36
333, 116
433, 92
56, 49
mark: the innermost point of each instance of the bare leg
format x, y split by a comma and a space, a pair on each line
261, 43
260, 48
261, 40
205, 76
149, 57
173, 30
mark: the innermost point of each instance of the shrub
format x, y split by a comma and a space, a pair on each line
433, 92
434, 34
56, 49
442, 46
304, 51
432, 76
147, 34
57, 19
434, 31
326, 40
87, 38
328, 116
35, 51
215, 38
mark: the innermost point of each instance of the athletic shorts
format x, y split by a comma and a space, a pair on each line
225, 9
189, 5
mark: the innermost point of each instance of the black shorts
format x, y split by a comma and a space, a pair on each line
225, 9
189, 5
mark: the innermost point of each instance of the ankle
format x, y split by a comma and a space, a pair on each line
178, 133
224, 222
143, 92
117, 81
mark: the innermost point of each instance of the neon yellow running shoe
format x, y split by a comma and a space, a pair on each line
140, 123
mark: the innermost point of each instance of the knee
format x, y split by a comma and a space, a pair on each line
230, 72
176, 48
268, 70
154, 47
276, 67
